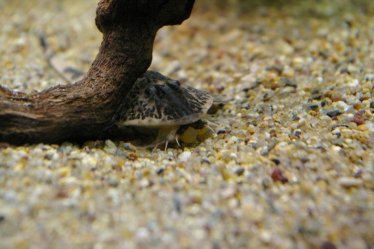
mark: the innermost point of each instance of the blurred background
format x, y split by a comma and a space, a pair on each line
69, 28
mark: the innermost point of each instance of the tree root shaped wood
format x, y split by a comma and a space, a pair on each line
85, 110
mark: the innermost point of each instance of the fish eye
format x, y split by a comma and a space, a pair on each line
174, 84
150, 91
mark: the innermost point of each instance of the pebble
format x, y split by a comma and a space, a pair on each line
313, 107
328, 245
239, 171
142, 234
160, 171
113, 182
354, 84
249, 82
372, 104
278, 176
358, 118
110, 147
173, 67
369, 77
349, 182
221, 131
341, 106
185, 156
333, 113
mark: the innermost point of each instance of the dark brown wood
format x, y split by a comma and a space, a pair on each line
84, 110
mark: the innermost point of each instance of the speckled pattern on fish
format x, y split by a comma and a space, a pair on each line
157, 100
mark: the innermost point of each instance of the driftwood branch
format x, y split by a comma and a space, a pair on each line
84, 109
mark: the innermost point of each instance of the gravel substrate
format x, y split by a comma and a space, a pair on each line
291, 165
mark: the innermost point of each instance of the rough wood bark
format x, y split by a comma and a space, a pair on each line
84, 109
